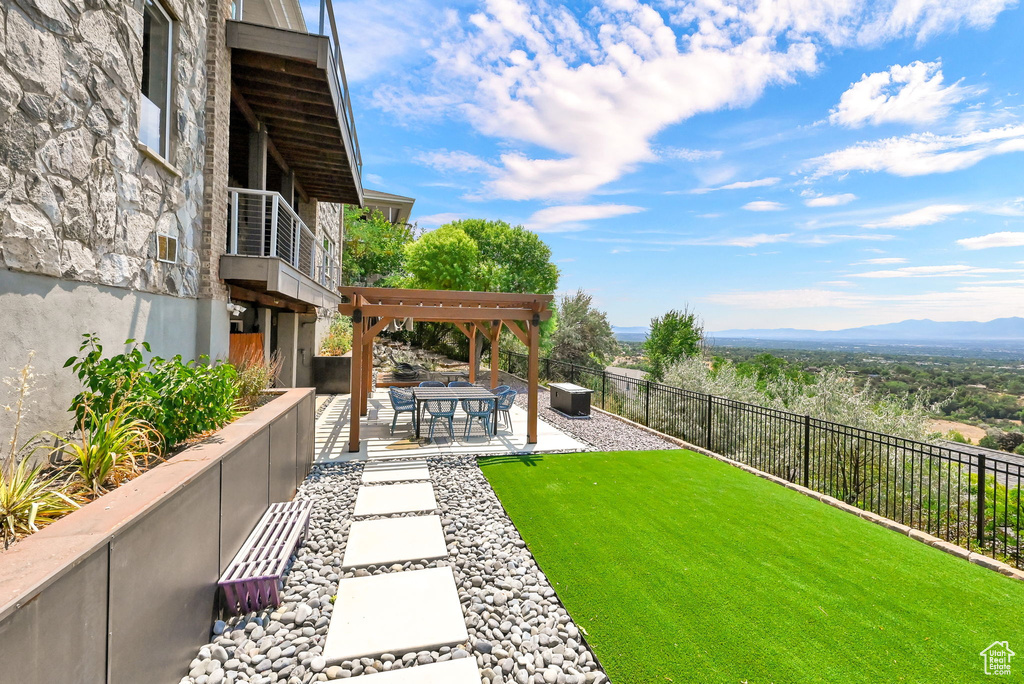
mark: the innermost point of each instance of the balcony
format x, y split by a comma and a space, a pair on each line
294, 81
291, 260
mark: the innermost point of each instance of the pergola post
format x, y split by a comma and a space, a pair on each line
495, 360
472, 352
533, 378
368, 338
356, 382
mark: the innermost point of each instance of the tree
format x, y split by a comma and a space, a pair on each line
676, 335
584, 336
444, 259
374, 247
482, 256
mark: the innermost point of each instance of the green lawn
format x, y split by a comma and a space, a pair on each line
684, 569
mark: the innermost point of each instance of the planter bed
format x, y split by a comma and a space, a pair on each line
138, 566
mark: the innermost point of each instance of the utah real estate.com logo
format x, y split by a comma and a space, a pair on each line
997, 658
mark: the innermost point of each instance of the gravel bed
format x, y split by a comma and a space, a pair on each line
518, 630
602, 432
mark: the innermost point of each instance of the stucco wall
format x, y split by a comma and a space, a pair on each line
78, 198
49, 316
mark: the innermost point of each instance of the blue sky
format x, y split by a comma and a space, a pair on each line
771, 164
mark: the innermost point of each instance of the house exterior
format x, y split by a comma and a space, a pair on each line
170, 171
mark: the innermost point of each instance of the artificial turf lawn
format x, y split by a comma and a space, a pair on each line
682, 568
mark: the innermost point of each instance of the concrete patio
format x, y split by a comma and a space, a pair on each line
377, 443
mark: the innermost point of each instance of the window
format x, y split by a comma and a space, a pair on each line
155, 110
166, 248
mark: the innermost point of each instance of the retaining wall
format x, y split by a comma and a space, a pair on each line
124, 590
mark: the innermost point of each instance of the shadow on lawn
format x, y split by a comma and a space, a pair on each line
522, 459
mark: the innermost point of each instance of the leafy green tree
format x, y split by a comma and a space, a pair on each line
444, 259
675, 336
481, 256
584, 336
374, 247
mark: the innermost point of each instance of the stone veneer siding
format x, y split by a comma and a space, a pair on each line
80, 200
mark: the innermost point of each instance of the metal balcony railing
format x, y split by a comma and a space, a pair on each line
329, 28
261, 223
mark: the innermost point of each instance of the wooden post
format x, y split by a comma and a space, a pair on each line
495, 336
533, 378
356, 388
367, 372
472, 352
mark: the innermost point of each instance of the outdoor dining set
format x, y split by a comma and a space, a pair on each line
441, 401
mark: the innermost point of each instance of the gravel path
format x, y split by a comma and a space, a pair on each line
519, 631
602, 432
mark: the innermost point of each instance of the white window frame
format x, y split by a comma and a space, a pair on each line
165, 133
170, 240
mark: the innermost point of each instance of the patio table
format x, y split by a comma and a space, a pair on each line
424, 394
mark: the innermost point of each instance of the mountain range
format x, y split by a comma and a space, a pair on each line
920, 330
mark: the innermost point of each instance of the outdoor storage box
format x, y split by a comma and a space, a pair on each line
570, 399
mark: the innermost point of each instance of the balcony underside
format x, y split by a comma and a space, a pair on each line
287, 79
270, 278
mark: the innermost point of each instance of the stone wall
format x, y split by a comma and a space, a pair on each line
79, 199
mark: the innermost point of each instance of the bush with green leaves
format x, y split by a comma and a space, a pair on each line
178, 399
338, 339
111, 447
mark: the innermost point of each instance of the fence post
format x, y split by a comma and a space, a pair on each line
707, 428
807, 451
980, 517
604, 378
647, 405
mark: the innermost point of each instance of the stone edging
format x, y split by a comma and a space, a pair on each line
917, 535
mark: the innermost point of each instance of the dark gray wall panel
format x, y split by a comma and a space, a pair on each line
61, 634
245, 493
163, 579
282, 457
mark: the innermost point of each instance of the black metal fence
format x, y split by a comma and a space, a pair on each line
965, 497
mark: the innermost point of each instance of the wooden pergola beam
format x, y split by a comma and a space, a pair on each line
442, 314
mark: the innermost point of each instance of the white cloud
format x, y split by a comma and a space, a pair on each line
967, 302
738, 185
911, 94
437, 219
686, 154
568, 218
830, 200
1003, 239
593, 90
884, 260
456, 160
951, 271
361, 26
921, 153
926, 216
763, 205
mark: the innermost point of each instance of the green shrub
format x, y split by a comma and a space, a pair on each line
28, 499
957, 436
111, 447
338, 340
1019, 450
989, 442
178, 399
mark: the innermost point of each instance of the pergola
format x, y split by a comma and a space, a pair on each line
373, 308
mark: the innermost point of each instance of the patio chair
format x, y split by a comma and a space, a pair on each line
482, 410
505, 402
443, 409
500, 389
460, 383
431, 383
401, 402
